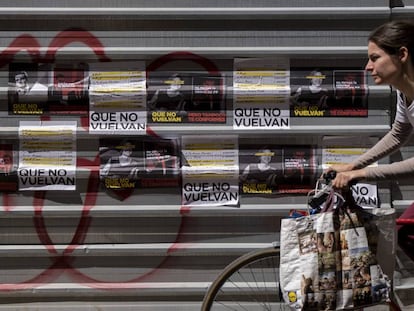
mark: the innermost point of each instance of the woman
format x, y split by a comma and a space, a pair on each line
313, 95
262, 172
122, 165
390, 61
171, 98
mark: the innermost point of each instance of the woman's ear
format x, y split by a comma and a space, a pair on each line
403, 54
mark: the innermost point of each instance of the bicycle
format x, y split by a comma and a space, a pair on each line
251, 282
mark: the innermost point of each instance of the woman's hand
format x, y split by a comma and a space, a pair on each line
346, 178
343, 179
345, 175
340, 168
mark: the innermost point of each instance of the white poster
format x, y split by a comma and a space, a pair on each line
210, 171
336, 152
47, 155
261, 89
117, 122
117, 98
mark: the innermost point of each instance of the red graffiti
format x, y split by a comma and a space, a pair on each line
62, 261
207, 64
29, 44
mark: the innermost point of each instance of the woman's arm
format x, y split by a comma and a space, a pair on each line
357, 170
392, 141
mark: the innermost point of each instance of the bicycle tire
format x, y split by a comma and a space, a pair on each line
251, 282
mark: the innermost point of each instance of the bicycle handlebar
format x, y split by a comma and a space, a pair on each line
329, 176
320, 197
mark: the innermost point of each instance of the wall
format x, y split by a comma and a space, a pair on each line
145, 250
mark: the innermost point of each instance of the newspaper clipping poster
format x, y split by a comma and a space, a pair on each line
47, 155
210, 171
261, 89
117, 98
340, 151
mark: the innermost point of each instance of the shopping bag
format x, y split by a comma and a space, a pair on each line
309, 244
327, 261
366, 245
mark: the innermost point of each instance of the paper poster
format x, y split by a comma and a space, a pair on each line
117, 122
28, 88
47, 155
327, 92
274, 169
56, 89
68, 90
186, 97
117, 98
129, 163
342, 150
351, 94
121, 161
161, 162
8, 167
210, 171
261, 90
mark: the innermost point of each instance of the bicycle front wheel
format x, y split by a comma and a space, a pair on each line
251, 282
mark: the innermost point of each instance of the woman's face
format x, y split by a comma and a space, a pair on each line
266, 156
21, 81
384, 68
317, 79
127, 152
175, 84
6, 162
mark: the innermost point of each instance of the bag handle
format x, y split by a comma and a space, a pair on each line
349, 201
329, 202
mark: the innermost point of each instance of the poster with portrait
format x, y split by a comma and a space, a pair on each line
68, 92
8, 167
186, 97
129, 163
311, 92
275, 169
121, 162
28, 88
261, 168
328, 92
